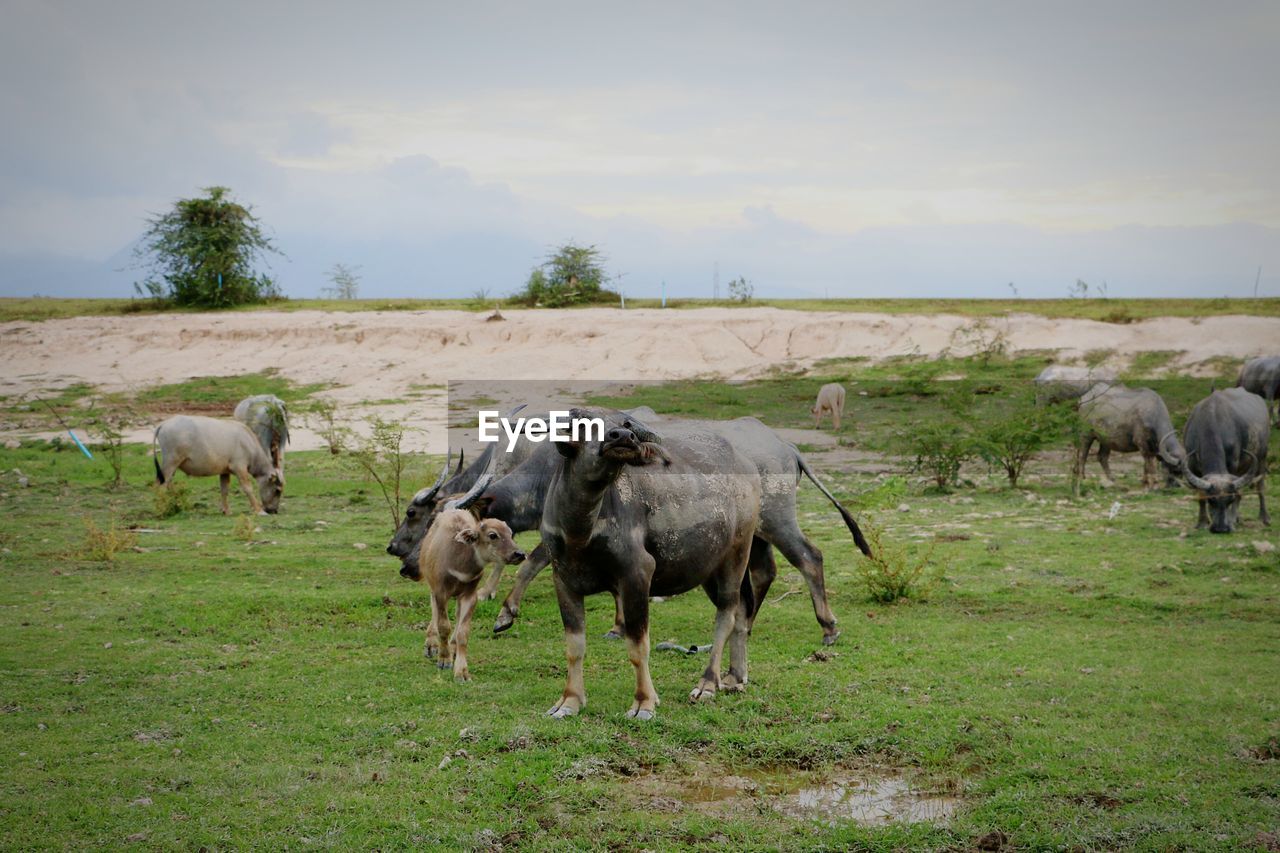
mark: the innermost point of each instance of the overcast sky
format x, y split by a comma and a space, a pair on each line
904, 149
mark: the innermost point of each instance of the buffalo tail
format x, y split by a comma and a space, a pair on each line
849, 520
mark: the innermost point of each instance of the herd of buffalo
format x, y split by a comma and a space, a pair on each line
655, 506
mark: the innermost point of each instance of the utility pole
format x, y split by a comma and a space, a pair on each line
1257, 278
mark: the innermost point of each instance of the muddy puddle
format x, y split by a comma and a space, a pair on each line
871, 796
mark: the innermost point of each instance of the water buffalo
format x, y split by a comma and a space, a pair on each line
1226, 441
830, 401
428, 502
1129, 420
1060, 383
1261, 376
637, 515
267, 417
205, 447
454, 554
519, 497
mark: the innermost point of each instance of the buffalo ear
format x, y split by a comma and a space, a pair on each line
480, 506
466, 536
651, 452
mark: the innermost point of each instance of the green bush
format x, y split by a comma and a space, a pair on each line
203, 252
938, 448
1012, 435
571, 275
892, 572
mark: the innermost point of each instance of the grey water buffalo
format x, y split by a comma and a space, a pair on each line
207, 447
1226, 440
638, 515
454, 554
1261, 376
519, 498
428, 502
267, 417
830, 402
1129, 420
1061, 383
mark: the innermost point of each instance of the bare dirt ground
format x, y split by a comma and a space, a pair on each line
397, 364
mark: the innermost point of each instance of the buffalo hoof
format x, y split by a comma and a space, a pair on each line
645, 714
731, 684
505, 620
702, 693
462, 677
830, 639
486, 596
430, 652
613, 634
562, 710
444, 664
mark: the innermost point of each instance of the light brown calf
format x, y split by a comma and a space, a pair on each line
452, 559
830, 399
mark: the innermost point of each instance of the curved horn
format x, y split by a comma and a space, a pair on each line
1170, 459
1245, 480
461, 455
424, 497
1195, 482
480, 485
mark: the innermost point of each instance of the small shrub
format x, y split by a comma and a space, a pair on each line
892, 572
101, 545
741, 290
173, 499
938, 448
110, 429
382, 459
246, 527
982, 340
321, 415
1012, 436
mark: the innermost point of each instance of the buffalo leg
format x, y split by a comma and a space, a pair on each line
735, 680
490, 590
835, 419
806, 557
1148, 472
534, 563
1203, 521
432, 645
224, 481
618, 630
574, 616
1262, 502
1104, 461
440, 622
458, 642
762, 570
634, 598
726, 602
250, 488
1082, 456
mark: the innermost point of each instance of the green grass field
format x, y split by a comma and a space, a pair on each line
1075, 681
1106, 310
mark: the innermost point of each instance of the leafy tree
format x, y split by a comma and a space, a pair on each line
741, 290
203, 253
571, 275
346, 284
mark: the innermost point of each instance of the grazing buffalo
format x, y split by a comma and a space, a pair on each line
638, 515
830, 401
1060, 383
1226, 441
519, 497
1129, 420
1261, 376
454, 554
267, 417
205, 447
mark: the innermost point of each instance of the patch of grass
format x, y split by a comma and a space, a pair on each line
219, 393
1078, 680
1106, 310
1147, 364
